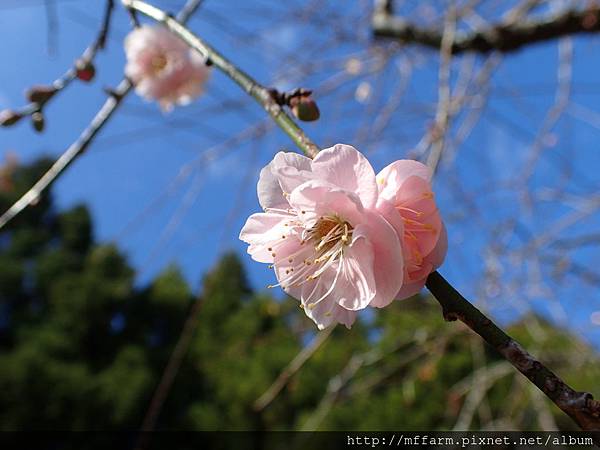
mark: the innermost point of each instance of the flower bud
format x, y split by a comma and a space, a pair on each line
38, 122
9, 117
40, 94
305, 108
85, 70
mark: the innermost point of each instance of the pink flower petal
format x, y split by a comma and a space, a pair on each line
328, 311
410, 289
438, 254
393, 176
345, 167
316, 198
355, 287
388, 265
269, 191
261, 231
283, 174
292, 170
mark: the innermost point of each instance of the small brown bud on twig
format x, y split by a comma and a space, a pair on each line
38, 122
40, 94
85, 70
300, 101
305, 108
9, 117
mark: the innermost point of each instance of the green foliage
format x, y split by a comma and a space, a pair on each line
81, 347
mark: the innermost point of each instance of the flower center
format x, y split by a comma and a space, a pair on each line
321, 248
329, 231
159, 62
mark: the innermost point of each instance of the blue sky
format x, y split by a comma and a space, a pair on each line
166, 189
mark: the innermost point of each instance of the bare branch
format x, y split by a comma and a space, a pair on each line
442, 116
580, 406
67, 158
506, 36
293, 367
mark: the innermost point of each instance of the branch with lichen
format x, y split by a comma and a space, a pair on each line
83, 69
505, 36
580, 406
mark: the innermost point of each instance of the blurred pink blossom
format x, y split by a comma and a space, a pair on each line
407, 201
163, 68
320, 230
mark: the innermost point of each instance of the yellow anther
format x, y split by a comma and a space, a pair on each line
418, 256
411, 222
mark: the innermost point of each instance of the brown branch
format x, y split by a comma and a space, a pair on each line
83, 69
505, 37
580, 406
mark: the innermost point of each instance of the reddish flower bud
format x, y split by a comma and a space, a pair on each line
40, 94
9, 117
305, 108
38, 122
85, 70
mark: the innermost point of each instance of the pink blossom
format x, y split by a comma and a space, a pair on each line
407, 201
321, 232
163, 67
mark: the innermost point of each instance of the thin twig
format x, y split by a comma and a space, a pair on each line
304, 355
442, 117
67, 158
170, 372
261, 94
